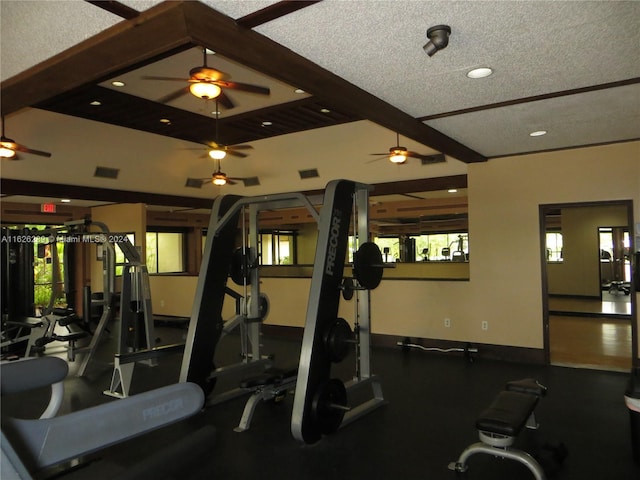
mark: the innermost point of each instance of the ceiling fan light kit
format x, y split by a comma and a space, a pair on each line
6, 151
438, 39
217, 154
219, 178
398, 155
205, 90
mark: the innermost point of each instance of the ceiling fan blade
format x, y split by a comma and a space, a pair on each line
174, 95
224, 100
380, 154
170, 79
426, 159
236, 154
385, 155
231, 182
241, 147
245, 87
22, 148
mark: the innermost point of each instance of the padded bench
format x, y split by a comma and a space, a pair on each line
272, 384
499, 425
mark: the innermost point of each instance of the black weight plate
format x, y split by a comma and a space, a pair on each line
347, 288
337, 340
239, 268
368, 265
326, 417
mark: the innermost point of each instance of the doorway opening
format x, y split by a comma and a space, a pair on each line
589, 305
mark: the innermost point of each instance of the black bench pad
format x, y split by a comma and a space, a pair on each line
271, 376
527, 385
507, 414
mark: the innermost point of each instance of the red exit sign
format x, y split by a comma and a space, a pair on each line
48, 208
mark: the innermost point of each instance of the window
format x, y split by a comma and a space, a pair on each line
165, 252
390, 248
554, 247
278, 247
121, 261
443, 246
434, 247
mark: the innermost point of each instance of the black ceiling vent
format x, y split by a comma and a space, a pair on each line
310, 173
251, 181
194, 183
429, 159
106, 172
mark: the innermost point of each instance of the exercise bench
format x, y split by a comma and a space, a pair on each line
499, 425
272, 384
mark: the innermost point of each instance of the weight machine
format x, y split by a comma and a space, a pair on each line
320, 404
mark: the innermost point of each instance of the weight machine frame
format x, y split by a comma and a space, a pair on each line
206, 326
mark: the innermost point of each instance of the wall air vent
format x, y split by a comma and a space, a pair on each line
429, 159
251, 181
106, 172
194, 182
311, 173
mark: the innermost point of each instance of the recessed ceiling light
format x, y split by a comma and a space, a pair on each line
452, 190
65, 200
325, 110
299, 91
165, 120
538, 133
267, 124
95, 103
118, 83
209, 51
481, 72
216, 112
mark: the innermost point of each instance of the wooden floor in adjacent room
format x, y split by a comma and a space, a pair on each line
591, 333
590, 342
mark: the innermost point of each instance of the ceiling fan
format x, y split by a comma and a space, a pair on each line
207, 83
218, 178
219, 151
399, 155
9, 149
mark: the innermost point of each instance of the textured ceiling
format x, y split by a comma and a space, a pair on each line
571, 68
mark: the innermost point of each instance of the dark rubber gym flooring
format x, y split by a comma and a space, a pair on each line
433, 401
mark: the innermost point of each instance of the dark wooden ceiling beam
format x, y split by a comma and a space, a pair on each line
117, 8
273, 11
534, 98
41, 189
159, 31
10, 187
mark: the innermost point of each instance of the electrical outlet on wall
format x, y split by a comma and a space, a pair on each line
447, 322
162, 303
484, 325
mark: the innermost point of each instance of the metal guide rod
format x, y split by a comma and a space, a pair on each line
363, 297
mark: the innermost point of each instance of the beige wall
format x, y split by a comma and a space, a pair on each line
505, 272
504, 197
